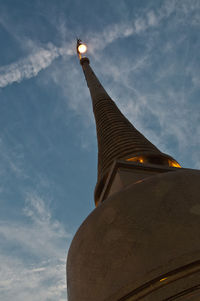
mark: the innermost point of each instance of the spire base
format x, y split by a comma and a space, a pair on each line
124, 172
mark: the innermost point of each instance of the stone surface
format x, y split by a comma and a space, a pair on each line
136, 236
123, 173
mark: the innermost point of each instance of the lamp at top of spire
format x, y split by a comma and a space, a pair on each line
81, 48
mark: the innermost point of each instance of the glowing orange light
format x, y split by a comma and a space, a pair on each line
136, 159
174, 164
163, 279
82, 48
146, 160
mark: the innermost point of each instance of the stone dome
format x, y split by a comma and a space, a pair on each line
141, 243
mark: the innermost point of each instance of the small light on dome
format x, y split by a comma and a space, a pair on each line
163, 279
82, 48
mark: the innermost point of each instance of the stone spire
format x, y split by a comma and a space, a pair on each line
142, 243
117, 137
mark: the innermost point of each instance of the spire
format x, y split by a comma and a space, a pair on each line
117, 137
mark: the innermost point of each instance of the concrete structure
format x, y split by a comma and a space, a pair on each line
142, 242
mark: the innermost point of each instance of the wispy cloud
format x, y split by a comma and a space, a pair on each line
30, 66
36, 268
66, 75
42, 57
10, 161
99, 41
159, 97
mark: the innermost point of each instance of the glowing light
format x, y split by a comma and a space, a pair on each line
146, 160
82, 48
136, 159
174, 164
163, 279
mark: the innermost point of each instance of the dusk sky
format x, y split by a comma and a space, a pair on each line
146, 53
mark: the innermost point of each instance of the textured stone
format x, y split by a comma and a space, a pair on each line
137, 236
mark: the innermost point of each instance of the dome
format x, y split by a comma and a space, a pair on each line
141, 243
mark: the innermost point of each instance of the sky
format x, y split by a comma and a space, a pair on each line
145, 53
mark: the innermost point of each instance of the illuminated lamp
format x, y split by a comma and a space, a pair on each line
162, 161
81, 48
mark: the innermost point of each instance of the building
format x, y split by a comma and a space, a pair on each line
142, 242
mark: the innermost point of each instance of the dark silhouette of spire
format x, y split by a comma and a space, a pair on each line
117, 137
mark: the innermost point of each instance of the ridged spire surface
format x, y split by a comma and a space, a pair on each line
117, 137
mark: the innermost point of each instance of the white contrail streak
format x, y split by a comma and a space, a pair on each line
31, 65
41, 58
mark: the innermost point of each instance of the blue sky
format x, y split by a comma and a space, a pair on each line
146, 54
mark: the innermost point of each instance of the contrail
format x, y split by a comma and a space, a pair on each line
31, 65
43, 57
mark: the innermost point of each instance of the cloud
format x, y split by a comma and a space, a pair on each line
34, 255
30, 66
26, 282
99, 41
10, 161
66, 75
42, 57
152, 19
148, 83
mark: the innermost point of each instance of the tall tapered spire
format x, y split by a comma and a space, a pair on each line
117, 137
